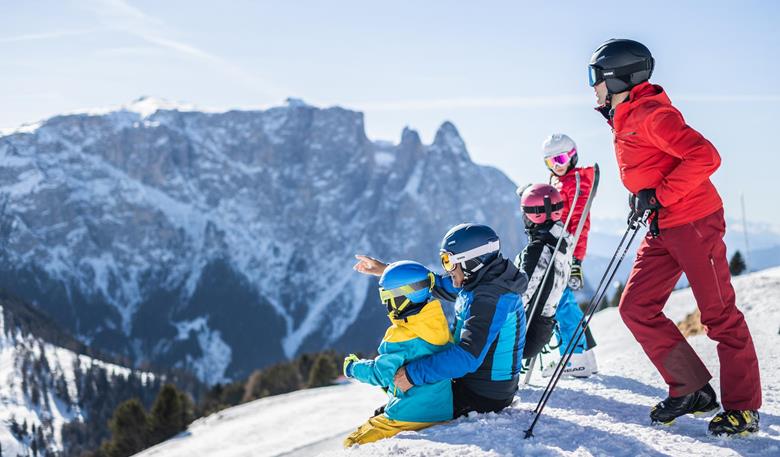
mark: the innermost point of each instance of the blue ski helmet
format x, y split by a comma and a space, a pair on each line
471, 245
404, 286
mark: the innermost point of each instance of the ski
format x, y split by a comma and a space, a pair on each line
588, 203
580, 226
554, 252
532, 363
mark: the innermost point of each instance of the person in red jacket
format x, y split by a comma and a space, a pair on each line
560, 156
667, 165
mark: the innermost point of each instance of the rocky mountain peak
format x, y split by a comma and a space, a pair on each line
448, 139
190, 239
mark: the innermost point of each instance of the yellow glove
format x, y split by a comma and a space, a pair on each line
348, 361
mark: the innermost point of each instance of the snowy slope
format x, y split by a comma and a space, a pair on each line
604, 415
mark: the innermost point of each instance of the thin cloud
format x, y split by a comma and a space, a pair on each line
543, 101
119, 15
124, 51
47, 35
476, 102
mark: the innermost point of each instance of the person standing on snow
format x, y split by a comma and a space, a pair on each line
560, 156
418, 328
484, 361
542, 206
667, 166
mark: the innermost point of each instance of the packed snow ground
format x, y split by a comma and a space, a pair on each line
604, 415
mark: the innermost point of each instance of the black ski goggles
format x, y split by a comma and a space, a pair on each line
595, 75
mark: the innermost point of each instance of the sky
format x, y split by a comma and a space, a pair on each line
507, 74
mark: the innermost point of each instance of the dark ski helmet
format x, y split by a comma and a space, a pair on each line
622, 64
471, 245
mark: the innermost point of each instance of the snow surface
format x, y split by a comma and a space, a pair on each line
604, 415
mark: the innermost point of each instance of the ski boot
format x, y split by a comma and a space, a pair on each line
734, 422
581, 365
700, 403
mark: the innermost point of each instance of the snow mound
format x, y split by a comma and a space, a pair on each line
603, 415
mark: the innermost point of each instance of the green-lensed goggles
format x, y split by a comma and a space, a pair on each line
391, 297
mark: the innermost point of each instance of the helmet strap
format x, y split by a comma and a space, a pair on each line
547, 207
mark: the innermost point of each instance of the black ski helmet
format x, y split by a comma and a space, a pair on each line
471, 245
622, 64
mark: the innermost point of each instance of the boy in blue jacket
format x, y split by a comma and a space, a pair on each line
419, 328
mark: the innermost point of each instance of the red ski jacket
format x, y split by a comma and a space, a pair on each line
567, 186
656, 149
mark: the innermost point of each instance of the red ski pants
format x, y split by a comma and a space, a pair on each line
697, 249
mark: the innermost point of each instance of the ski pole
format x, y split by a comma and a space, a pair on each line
580, 226
540, 288
596, 291
531, 365
585, 321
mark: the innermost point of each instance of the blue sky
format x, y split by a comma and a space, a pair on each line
506, 73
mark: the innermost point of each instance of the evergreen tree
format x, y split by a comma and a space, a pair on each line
274, 380
170, 414
15, 429
41, 441
618, 293
323, 372
129, 428
737, 264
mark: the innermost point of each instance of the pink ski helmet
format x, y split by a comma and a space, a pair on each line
542, 203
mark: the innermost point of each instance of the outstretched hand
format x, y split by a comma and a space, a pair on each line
369, 265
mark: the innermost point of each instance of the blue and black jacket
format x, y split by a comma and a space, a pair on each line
409, 339
489, 333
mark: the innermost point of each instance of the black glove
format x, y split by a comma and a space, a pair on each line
575, 277
631, 209
645, 200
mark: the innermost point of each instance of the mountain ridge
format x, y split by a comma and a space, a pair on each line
189, 238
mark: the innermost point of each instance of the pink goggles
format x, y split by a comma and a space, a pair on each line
560, 159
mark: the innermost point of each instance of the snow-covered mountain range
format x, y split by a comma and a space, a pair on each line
222, 242
605, 415
44, 386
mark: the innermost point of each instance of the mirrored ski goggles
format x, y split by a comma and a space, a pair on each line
387, 294
449, 260
391, 297
560, 159
595, 75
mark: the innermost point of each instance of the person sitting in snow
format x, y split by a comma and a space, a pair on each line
418, 328
485, 360
542, 206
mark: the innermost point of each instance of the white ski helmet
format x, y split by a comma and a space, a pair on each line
557, 143
559, 150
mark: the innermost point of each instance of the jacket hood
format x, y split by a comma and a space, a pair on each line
500, 273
